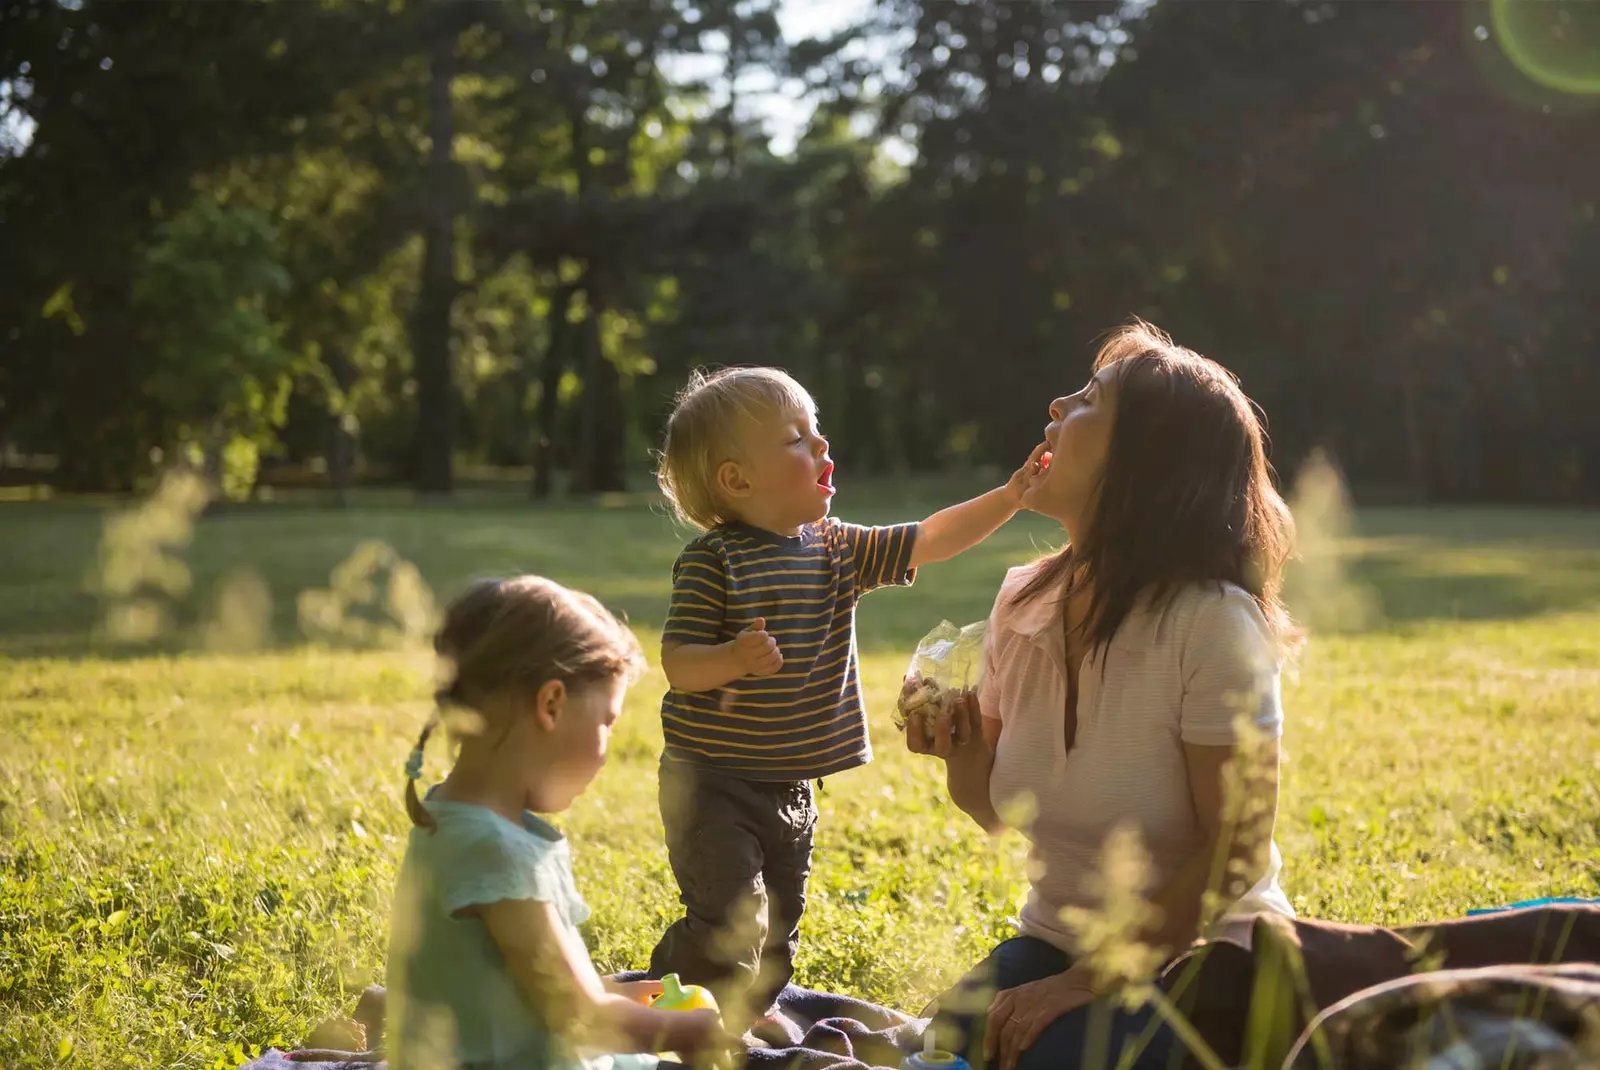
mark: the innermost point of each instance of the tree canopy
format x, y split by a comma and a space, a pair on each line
381, 240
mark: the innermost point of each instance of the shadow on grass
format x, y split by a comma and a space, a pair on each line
1422, 564
1413, 589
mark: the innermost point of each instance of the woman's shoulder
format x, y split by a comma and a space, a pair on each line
1017, 577
1217, 613
1216, 596
1008, 608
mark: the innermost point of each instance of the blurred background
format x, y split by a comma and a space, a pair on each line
332, 243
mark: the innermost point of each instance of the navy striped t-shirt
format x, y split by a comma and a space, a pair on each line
806, 720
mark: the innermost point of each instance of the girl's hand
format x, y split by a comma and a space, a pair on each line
955, 733
1018, 1015
700, 1037
638, 991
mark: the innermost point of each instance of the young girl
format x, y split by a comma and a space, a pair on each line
486, 965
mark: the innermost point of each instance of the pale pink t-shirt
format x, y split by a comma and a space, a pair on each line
1169, 677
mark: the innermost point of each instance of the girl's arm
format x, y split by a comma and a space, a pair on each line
556, 977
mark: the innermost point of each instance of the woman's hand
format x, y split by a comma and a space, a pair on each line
955, 733
1018, 1015
966, 740
638, 991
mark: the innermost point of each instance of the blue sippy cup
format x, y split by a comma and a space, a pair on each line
931, 1058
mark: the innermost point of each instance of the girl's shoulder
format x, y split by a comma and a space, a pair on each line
464, 832
476, 856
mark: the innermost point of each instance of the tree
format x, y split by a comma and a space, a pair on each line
219, 374
437, 293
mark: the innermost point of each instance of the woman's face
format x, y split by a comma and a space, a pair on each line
1078, 437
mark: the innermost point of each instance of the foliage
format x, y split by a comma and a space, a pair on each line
218, 368
1380, 215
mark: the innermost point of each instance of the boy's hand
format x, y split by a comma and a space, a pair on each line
757, 651
1031, 472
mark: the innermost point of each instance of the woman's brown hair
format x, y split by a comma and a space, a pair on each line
516, 635
1186, 496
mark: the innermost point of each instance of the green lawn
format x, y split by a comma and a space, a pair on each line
197, 841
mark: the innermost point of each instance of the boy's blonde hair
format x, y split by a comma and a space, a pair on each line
516, 634
703, 432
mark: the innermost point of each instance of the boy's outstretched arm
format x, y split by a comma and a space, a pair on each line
961, 527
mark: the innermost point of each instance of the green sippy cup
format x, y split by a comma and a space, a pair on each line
677, 996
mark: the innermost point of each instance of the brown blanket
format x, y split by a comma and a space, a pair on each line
1500, 1017
1251, 1004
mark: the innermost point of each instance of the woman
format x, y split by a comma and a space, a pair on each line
1121, 680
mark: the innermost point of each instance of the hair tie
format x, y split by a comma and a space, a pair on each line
414, 764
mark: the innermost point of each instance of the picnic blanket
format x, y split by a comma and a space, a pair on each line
1295, 978
1495, 1018
1296, 994
825, 1032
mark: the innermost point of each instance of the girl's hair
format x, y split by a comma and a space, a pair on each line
702, 433
1186, 495
517, 634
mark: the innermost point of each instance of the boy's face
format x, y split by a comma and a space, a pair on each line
784, 478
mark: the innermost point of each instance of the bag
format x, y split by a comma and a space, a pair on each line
945, 664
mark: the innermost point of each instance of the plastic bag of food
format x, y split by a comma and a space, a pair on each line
946, 663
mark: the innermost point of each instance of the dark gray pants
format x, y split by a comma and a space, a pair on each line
741, 852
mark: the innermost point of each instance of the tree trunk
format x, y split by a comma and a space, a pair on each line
341, 445
212, 442
602, 427
1416, 449
603, 421
558, 332
431, 336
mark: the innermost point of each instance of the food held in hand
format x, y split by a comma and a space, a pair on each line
922, 697
945, 664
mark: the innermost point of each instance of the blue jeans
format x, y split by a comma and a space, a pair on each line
1062, 1046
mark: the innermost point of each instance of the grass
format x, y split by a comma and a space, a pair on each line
198, 837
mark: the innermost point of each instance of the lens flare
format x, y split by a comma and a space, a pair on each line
1554, 43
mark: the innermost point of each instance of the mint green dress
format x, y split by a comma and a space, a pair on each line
453, 1001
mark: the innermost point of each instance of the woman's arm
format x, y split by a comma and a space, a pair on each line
556, 977
1234, 791
1230, 720
966, 740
